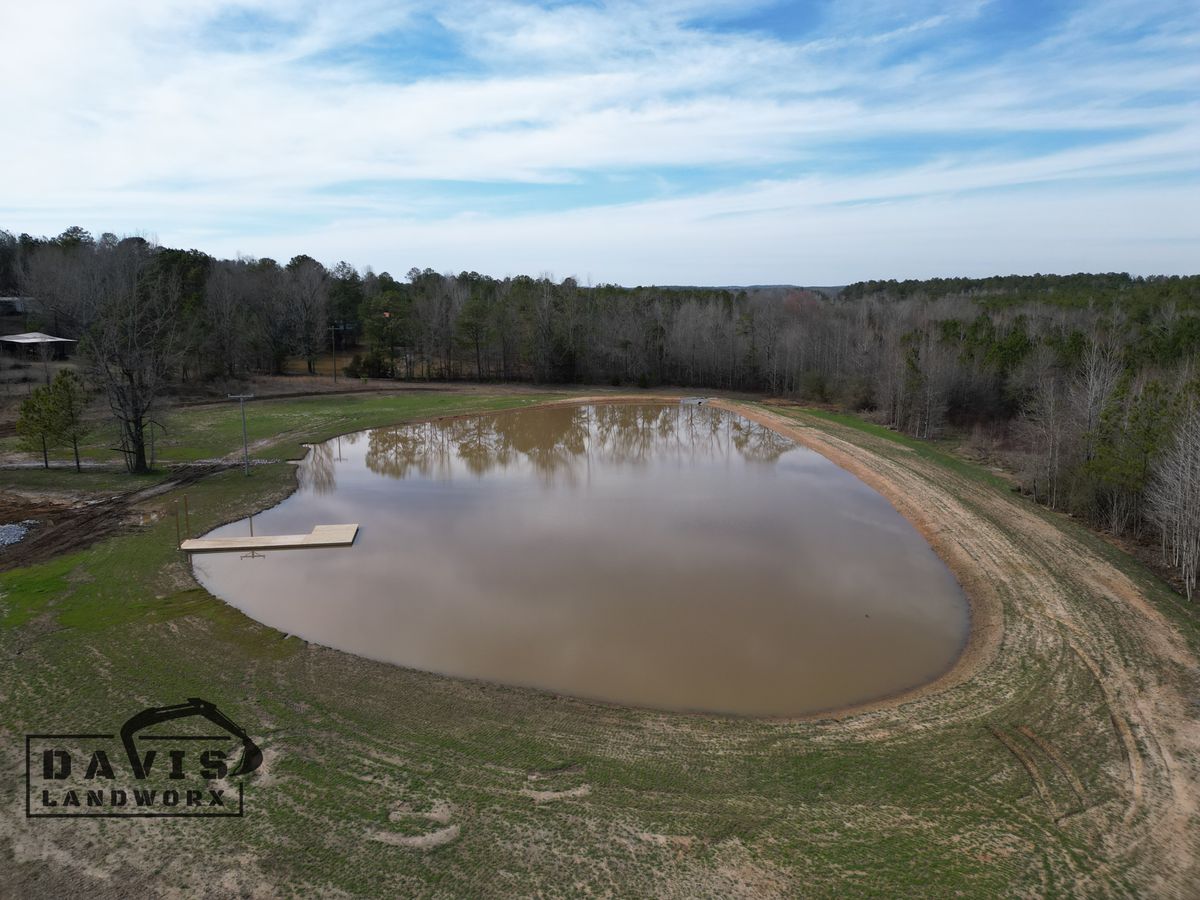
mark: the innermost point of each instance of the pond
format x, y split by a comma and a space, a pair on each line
676, 556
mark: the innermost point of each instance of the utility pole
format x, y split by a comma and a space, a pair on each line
333, 333
391, 342
242, 398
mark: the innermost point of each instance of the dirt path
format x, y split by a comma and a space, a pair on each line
1064, 589
64, 527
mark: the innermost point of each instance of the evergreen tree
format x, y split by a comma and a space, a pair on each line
36, 423
68, 399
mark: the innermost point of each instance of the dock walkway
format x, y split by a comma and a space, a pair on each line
321, 536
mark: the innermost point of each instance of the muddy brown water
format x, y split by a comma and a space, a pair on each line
666, 555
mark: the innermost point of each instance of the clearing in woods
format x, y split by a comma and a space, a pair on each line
1059, 755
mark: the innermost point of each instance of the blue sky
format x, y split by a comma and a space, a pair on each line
676, 142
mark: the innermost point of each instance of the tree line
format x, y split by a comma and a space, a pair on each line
1091, 379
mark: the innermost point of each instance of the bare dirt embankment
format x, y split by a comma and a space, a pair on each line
63, 523
1029, 580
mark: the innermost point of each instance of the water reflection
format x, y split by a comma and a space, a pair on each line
563, 441
317, 473
661, 555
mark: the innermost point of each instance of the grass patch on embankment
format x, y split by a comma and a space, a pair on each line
61, 478
676, 805
924, 449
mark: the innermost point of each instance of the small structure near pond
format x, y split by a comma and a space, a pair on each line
47, 346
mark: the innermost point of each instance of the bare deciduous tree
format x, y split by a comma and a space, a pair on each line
308, 289
1173, 500
227, 308
133, 343
1044, 423
1092, 386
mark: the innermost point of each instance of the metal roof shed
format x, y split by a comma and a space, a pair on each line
35, 337
45, 344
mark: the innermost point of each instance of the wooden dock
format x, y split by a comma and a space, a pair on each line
321, 536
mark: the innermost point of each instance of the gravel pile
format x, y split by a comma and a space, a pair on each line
13, 532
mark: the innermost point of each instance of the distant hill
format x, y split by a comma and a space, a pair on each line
828, 291
1079, 290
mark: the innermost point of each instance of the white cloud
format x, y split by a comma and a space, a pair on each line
127, 121
719, 240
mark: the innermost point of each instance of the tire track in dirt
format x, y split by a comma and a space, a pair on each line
1058, 759
75, 528
1030, 767
1120, 724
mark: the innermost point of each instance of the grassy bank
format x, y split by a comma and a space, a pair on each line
276, 429
382, 781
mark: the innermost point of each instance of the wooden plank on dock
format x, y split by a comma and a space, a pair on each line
321, 536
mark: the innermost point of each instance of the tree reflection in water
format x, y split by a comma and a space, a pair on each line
560, 442
317, 473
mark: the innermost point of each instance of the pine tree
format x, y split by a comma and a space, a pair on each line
68, 400
36, 423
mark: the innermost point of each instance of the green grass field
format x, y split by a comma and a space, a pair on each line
382, 781
277, 427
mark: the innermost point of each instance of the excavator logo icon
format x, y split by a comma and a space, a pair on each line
251, 757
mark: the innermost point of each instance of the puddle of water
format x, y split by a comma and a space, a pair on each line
673, 556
